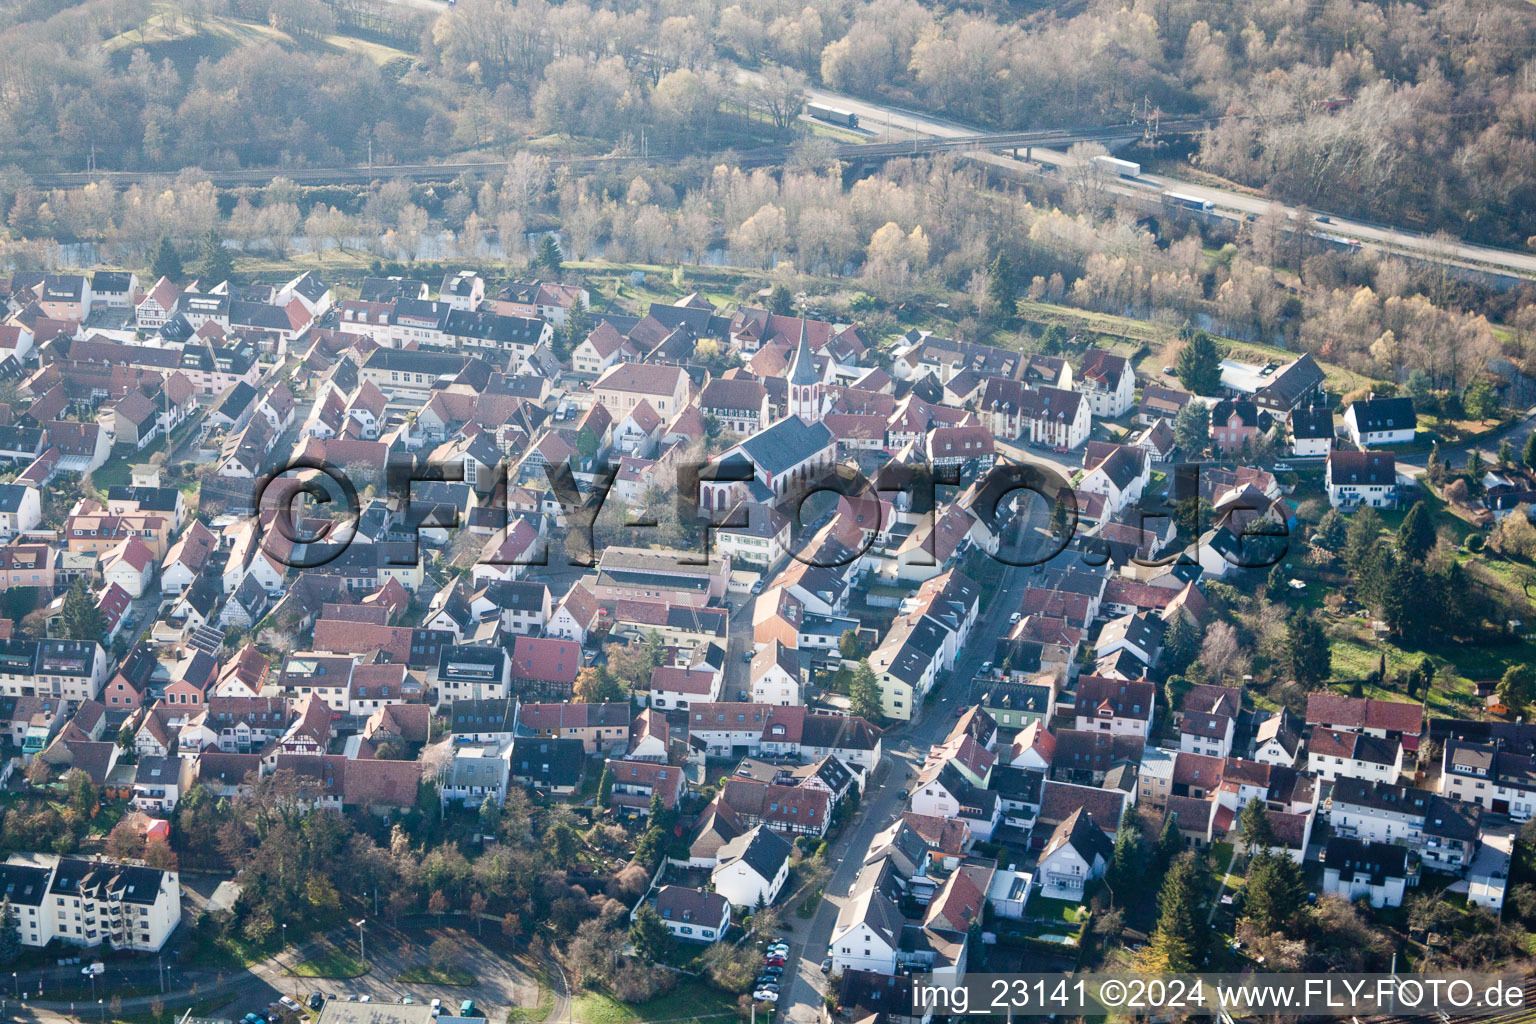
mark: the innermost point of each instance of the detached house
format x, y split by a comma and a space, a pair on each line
1361, 478
1108, 382
752, 868
1077, 853
1378, 421
693, 914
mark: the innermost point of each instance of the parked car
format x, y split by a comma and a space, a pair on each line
437, 1007
765, 996
826, 966
771, 972
314, 1000
365, 999
773, 961
91, 970
290, 1002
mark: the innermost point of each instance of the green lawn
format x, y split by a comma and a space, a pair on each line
426, 974
1044, 908
112, 473
689, 1001
329, 963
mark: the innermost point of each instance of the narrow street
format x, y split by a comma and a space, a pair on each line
885, 798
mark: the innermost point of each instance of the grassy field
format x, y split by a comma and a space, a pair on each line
168, 34
688, 1002
329, 962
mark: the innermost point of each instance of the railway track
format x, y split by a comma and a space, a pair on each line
757, 157
1526, 1012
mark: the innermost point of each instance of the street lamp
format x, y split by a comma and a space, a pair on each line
362, 946
102, 1005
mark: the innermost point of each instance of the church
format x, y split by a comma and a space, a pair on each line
782, 458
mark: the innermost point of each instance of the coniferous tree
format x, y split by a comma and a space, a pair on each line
1306, 649
780, 300
1001, 287
1181, 645
1169, 843
1192, 429
1126, 864
167, 261
1331, 530
80, 618
1435, 468
549, 257
1529, 455
1274, 894
864, 694
1254, 827
1475, 469
1178, 940
1360, 539
649, 934
604, 788
218, 265
1199, 365
10, 932
1416, 535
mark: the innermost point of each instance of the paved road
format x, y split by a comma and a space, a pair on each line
499, 983
885, 798
885, 122
1456, 455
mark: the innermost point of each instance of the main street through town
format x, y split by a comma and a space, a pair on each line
905, 747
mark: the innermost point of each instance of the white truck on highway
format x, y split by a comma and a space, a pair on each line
1119, 168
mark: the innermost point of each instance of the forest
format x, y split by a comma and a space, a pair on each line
1419, 114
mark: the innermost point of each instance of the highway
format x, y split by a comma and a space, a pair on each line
888, 123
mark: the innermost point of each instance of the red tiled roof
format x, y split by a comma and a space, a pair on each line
546, 659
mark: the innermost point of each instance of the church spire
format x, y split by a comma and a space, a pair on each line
804, 381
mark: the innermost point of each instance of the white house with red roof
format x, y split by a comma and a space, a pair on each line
679, 688
157, 305
130, 565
